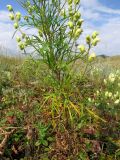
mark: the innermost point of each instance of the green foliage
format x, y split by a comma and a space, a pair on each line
56, 40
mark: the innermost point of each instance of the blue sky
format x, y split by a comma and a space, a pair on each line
100, 15
115, 4
3, 4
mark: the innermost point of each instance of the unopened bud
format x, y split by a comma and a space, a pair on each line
76, 2
81, 48
80, 21
18, 39
11, 16
95, 34
16, 25
9, 7
91, 57
88, 39
78, 32
70, 2
18, 16
21, 46
95, 41
70, 24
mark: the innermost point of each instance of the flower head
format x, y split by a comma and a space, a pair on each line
16, 25
18, 39
95, 41
95, 34
117, 101
88, 39
78, 32
18, 16
70, 24
76, 2
21, 46
81, 48
9, 7
91, 56
111, 77
80, 21
11, 16
70, 2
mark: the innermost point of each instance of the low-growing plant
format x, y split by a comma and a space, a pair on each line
56, 43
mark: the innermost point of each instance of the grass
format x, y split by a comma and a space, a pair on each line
80, 122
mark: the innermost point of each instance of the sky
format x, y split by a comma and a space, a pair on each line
99, 15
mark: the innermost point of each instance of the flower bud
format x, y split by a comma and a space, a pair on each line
9, 7
88, 39
91, 57
21, 46
76, 2
95, 41
70, 2
23, 35
11, 16
95, 34
80, 21
78, 32
16, 25
18, 39
81, 48
26, 18
71, 13
18, 16
70, 24
77, 15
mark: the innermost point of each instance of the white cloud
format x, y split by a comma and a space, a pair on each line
109, 28
97, 6
4, 16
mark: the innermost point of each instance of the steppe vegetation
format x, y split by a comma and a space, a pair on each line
64, 103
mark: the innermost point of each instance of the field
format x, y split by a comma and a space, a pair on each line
36, 122
60, 101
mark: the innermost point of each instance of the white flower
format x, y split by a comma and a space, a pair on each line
111, 77
81, 48
97, 92
89, 99
91, 56
110, 94
105, 81
117, 101
106, 94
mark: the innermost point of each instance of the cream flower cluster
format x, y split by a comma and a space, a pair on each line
112, 77
75, 21
23, 41
110, 94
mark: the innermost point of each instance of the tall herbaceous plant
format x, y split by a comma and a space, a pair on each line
58, 27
